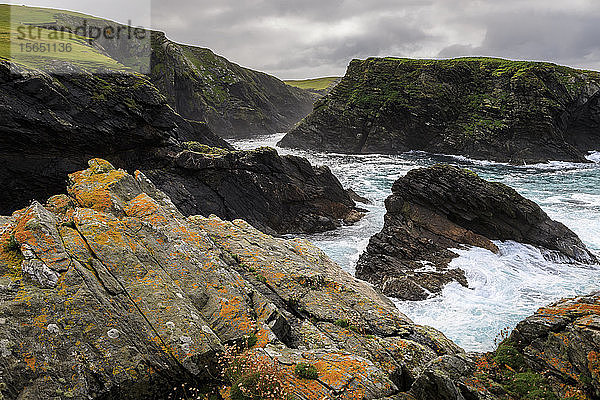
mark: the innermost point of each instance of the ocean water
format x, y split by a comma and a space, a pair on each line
503, 288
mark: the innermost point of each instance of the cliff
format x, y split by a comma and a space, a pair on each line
235, 101
52, 123
198, 85
434, 210
484, 108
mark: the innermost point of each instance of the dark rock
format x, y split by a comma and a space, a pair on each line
502, 110
357, 197
435, 209
124, 118
277, 194
51, 126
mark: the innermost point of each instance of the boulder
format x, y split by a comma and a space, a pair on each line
433, 210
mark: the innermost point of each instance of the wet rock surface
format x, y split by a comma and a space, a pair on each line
433, 210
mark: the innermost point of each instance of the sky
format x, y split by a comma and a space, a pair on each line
296, 39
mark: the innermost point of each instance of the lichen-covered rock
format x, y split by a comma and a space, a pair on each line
145, 299
549, 356
485, 108
433, 210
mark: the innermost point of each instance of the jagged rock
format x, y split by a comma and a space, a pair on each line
549, 356
485, 108
435, 209
275, 194
146, 299
125, 119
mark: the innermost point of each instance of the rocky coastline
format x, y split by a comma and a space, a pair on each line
434, 210
483, 108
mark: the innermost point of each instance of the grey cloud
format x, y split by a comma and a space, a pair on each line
309, 38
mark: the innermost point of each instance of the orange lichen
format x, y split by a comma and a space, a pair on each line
90, 187
594, 364
146, 208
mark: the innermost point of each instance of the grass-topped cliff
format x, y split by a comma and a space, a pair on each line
515, 111
198, 84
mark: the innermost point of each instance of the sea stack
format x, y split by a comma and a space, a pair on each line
433, 210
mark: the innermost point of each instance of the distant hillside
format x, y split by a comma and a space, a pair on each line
319, 86
198, 84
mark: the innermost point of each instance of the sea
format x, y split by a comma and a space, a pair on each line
504, 288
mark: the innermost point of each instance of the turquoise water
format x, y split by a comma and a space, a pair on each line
503, 288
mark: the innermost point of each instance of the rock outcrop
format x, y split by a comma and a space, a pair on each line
274, 194
52, 124
110, 292
551, 355
433, 210
508, 111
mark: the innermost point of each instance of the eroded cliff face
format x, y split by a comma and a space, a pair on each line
52, 124
434, 210
508, 111
235, 101
110, 292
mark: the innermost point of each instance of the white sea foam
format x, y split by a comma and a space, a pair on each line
503, 288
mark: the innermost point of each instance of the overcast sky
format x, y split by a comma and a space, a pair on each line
311, 38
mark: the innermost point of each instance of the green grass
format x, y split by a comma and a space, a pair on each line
313, 84
81, 55
306, 371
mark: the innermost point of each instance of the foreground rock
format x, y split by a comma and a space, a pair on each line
433, 210
110, 292
275, 194
551, 355
53, 124
508, 111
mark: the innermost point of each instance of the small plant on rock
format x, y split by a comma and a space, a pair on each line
306, 371
252, 377
11, 244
